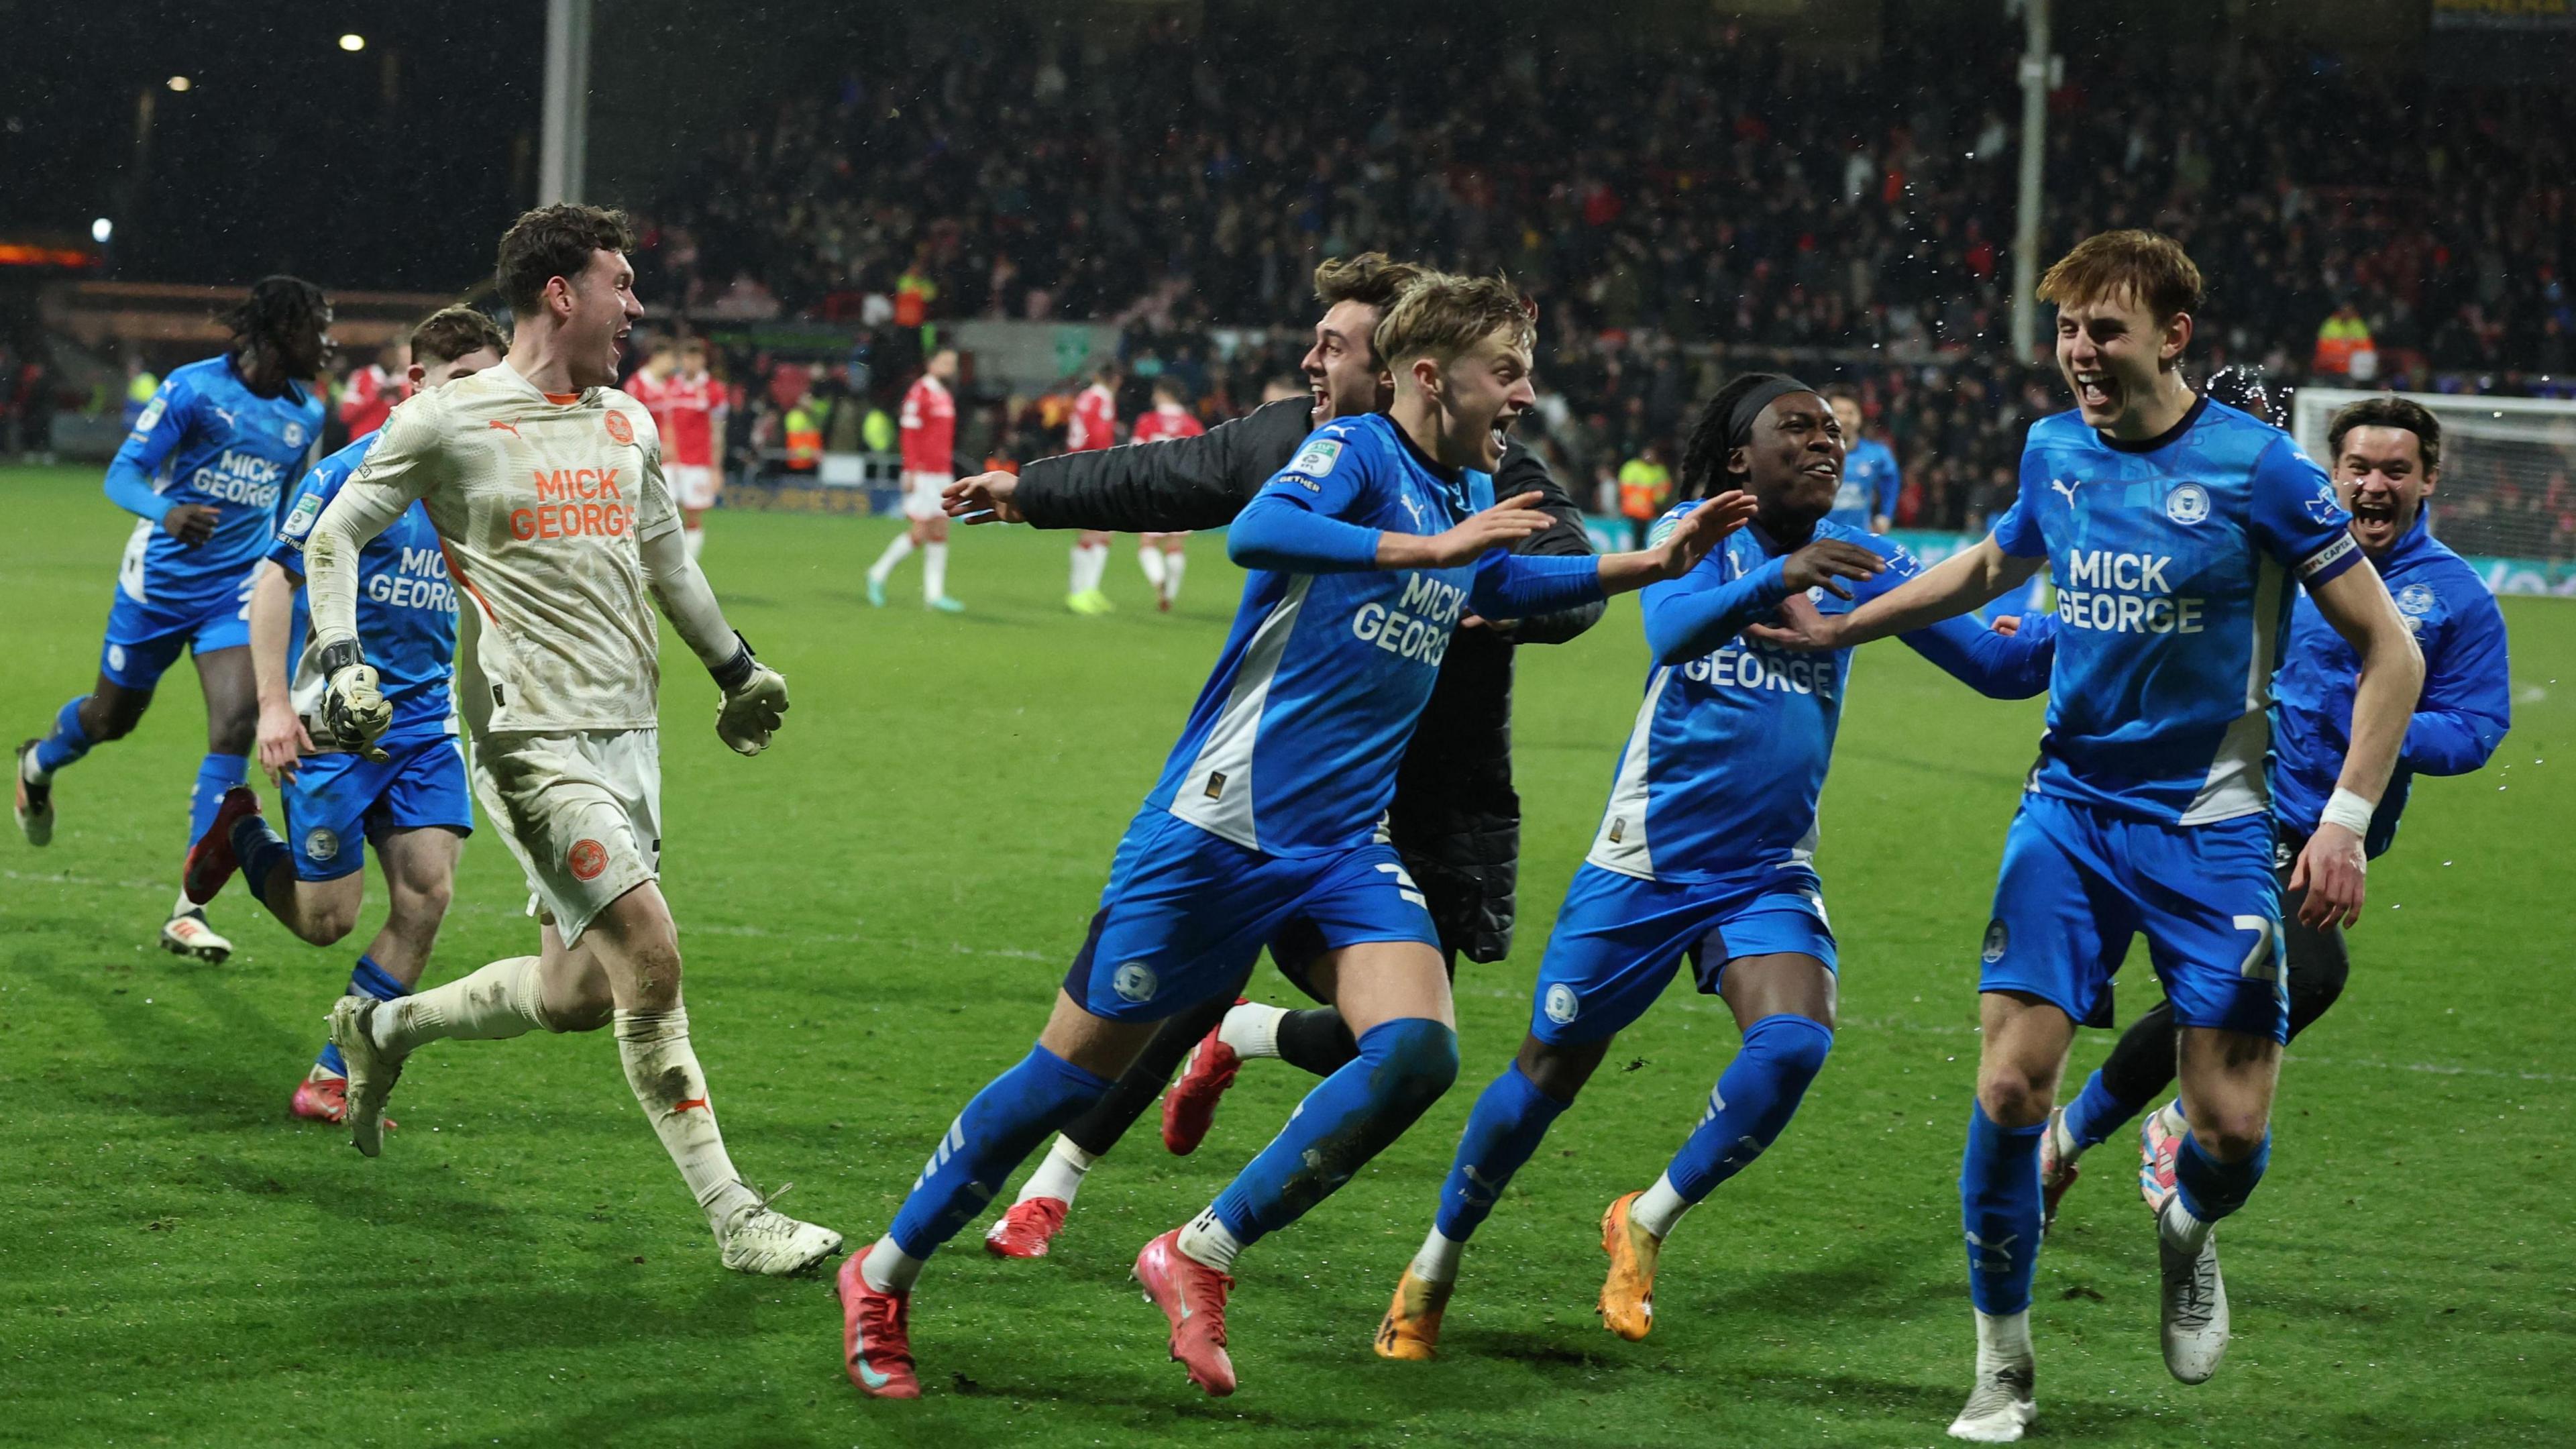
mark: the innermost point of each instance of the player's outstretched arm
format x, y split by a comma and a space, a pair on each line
2331, 868
1975, 575
282, 740
1999, 662
755, 695
1167, 487
1523, 472
156, 433
1508, 583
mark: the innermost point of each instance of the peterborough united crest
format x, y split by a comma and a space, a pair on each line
2187, 504
1134, 981
1562, 1004
1996, 940
321, 844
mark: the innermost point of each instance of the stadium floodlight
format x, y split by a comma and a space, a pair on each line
353, 42
101, 229
180, 83
2507, 466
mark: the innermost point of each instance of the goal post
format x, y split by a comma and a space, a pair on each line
2507, 496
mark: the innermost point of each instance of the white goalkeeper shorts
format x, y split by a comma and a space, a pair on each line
694, 485
921, 495
582, 812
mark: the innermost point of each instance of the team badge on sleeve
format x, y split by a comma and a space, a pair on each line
1662, 530
151, 415
1316, 459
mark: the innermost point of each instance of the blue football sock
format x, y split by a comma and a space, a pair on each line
1005, 1122
2212, 1189
1510, 1118
369, 979
259, 850
2097, 1112
68, 742
215, 775
1403, 1067
1999, 1206
1755, 1098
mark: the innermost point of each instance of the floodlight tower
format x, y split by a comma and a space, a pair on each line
566, 136
2039, 70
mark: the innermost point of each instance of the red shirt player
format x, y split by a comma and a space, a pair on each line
1161, 555
374, 389
690, 411
929, 464
1094, 425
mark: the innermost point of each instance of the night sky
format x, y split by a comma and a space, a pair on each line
393, 166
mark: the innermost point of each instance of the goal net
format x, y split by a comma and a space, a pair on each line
2508, 488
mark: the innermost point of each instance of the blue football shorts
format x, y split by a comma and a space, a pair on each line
1618, 940
2079, 882
1186, 913
336, 802
145, 639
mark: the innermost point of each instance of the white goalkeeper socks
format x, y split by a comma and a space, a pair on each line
1149, 557
1438, 1260
895, 553
491, 1003
1060, 1175
1658, 1208
1252, 1029
934, 572
663, 1073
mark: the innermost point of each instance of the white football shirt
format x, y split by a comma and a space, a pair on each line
540, 501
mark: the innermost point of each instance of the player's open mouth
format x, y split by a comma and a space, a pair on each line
2095, 391
1823, 468
2378, 515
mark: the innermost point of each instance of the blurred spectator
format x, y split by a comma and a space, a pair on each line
1645, 490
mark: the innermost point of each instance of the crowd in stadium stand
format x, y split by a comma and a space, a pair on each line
1858, 230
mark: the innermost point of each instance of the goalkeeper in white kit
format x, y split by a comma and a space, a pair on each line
545, 485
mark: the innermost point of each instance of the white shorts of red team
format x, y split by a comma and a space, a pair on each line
694, 485
921, 495
582, 811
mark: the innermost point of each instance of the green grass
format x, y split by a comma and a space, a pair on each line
876, 914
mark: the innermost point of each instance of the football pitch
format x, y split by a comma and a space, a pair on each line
875, 916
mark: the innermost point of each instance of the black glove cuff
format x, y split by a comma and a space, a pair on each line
339, 654
735, 672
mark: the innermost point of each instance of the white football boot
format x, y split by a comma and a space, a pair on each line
31, 803
2001, 1406
187, 934
760, 1239
372, 1070
2194, 1297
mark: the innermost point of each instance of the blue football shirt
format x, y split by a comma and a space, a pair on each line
1293, 744
1720, 777
2176, 561
406, 604
205, 437
1869, 487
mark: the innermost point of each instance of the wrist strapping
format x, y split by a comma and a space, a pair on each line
2348, 810
736, 672
339, 654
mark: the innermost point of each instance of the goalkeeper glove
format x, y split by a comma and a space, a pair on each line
354, 712
755, 695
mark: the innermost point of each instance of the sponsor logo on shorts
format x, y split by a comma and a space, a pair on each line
586, 859
321, 843
1563, 1006
620, 431
2187, 504
1134, 981
1997, 939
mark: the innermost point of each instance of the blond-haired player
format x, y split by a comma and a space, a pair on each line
545, 485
